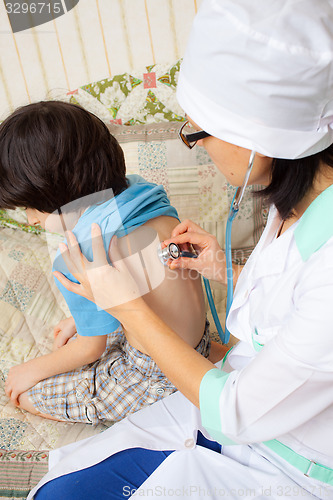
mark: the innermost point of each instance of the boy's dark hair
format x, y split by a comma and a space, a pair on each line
291, 180
52, 153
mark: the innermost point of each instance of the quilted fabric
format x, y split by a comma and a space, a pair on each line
143, 96
30, 306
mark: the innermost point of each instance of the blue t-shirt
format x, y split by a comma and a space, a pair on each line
120, 215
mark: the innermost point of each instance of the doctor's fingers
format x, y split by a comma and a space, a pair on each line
72, 255
200, 241
56, 330
99, 253
76, 288
185, 263
14, 397
187, 226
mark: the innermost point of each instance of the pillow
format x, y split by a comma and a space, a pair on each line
147, 95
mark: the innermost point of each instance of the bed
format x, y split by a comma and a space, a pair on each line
30, 303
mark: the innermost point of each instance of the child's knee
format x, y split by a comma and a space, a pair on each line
26, 404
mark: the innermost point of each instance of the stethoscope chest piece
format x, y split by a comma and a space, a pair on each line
171, 251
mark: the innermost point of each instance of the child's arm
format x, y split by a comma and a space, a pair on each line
79, 352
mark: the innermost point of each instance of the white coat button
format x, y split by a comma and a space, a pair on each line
189, 443
160, 391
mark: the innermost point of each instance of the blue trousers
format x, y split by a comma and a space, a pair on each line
116, 477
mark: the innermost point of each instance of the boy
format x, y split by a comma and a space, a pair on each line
61, 163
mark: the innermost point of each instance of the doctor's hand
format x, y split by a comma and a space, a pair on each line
211, 262
112, 288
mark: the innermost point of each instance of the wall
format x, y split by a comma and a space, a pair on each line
96, 39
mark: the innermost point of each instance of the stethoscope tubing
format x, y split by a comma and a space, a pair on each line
234, 208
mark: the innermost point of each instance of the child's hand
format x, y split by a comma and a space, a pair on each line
63, 331
20, 379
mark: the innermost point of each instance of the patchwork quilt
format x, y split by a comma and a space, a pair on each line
30, 306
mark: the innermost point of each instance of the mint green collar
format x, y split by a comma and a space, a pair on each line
315, 227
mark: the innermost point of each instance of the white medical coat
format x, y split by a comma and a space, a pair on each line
280, 386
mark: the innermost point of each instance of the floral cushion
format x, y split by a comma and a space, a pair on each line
144, 96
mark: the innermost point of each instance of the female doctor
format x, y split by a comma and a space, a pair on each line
256, 77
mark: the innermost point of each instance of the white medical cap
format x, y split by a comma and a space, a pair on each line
259, 74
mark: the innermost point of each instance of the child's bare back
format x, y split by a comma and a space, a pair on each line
178, 298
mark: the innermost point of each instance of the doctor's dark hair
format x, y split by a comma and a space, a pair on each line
52, 153
292, 179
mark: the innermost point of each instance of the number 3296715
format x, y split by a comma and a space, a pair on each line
33, 7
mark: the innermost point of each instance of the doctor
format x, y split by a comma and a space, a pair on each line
256, 76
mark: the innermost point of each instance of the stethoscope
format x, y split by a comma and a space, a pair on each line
173, 251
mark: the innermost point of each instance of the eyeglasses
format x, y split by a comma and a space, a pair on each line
190, 139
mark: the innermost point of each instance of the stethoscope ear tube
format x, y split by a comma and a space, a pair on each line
230, 277
234, 208
241, 190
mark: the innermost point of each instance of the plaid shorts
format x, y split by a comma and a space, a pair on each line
122, 381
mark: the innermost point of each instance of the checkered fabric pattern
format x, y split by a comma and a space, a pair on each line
122, 381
